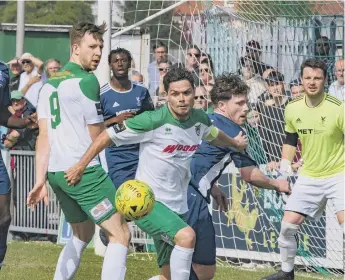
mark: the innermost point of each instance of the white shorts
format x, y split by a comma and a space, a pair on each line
309, 195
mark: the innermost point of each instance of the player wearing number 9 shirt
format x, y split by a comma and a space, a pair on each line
70, 118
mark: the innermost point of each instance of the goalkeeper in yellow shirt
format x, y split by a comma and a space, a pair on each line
317, 119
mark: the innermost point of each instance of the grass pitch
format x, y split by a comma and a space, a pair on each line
37, 260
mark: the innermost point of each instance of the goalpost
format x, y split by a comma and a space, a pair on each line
286, 31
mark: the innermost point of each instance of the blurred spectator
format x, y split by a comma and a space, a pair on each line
30, 80
52, 65
160, 51
137, 77
296, 88
21, 139
201, 98
323, 52
254, 81
253, 118
206, 72
163, 67
16, 70
337, 87
271, 128
253, 52
193, 61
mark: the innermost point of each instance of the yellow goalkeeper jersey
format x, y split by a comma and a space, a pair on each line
321, 131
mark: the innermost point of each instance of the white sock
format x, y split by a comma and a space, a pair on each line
69, 259
155, 277
288, 242
180, 263
114, 264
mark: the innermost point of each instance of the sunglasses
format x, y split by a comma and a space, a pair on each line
194, 54
199, 97
26, 61
163, 69
205, 70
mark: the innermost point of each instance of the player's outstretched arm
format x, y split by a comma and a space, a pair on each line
254, 176
39, 191
240, 142
73, 174
288, 153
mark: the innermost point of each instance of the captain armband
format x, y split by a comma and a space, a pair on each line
291, 139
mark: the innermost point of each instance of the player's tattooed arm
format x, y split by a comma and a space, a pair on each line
74, 174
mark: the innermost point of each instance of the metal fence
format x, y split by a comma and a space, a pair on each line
44, 220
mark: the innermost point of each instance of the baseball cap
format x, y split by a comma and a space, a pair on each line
253, 46
16, 94
25, 56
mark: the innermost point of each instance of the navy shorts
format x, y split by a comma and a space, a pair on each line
118, 177
200, 219
5, 184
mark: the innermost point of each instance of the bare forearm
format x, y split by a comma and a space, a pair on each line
38, 63
14, 122
111, 121
42, 157
288, 152
101, 142
254, 176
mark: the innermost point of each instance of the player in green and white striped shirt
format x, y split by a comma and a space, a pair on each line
70, 118
168, 139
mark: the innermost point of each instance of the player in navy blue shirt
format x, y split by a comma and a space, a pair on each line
122, 99
6, 119
229, 96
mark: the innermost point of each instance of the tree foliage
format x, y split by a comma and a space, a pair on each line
48, 12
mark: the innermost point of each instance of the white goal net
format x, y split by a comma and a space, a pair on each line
259, 40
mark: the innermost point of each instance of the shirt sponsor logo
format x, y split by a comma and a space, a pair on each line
101, 209
197, 129
305, 131
99, 109
118, 127
183, 148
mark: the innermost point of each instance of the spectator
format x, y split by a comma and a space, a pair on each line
254, 81
163, 67
193, 61
21, 139
137, 77
201, 98
253, 118
271, 111
206, 72
30, 80
337, 87
253, 52
296, 88
16, 69
323, 52
52, 65
160, 51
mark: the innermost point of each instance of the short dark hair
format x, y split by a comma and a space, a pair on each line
209, 62
274, 77
314, 63
195, 47
175, 75
79, 30
295, 83
227, 85
120, 51
159, 45
253, 45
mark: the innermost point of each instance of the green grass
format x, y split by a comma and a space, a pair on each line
37, 260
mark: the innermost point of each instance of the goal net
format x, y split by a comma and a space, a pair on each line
265, 42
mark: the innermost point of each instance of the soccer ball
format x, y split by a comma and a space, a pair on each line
134, 199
